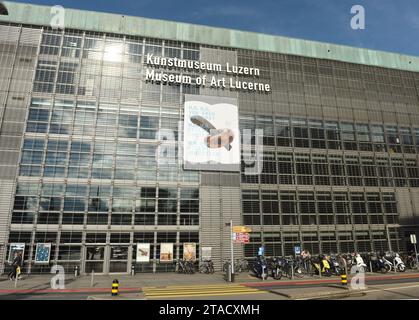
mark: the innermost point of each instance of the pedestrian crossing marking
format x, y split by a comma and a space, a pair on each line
198, 291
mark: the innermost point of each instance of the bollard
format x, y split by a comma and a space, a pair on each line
115, 287
76, 271
344, 279
394, 265
132, 270
370, 266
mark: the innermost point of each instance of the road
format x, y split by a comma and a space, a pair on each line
388, 287
389, 292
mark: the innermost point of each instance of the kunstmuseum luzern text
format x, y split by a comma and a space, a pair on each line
212, 81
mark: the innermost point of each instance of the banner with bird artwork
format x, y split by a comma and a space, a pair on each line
143, 252
211, 133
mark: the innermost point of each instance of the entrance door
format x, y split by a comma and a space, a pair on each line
118, 260
95, 259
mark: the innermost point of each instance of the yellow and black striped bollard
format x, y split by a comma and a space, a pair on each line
343, 279
115, 287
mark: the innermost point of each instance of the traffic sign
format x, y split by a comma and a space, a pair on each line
297, 249
241, 229
241, 237
413, 238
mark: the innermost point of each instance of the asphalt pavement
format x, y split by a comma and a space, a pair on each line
163, 286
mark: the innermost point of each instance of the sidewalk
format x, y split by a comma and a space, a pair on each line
127, 283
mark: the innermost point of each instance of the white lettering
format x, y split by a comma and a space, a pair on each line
168, 310
239, 70
358, 20
59, 277
157, 76
149, 56
57, 17
149, 74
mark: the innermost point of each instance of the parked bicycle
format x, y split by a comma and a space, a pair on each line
240, 265
302, 266
411, 261
186, 267
207, 266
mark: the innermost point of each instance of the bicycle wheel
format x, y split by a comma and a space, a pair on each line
203, 269
191, 267
245, 265
287, 272
298, 272
226, 267
277, 274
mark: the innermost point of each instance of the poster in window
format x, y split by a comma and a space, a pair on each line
166, 252
143, 252
206, 253
42, 253
189, 251
15, 249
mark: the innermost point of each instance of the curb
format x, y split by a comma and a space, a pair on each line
81, 290
323, 295
336, 281
278, 283
117, 298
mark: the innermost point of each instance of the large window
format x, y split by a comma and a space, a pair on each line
300, 133
38, 118
32, 157
251, 207
288, 202
45, 75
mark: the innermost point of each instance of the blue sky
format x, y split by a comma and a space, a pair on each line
390, 25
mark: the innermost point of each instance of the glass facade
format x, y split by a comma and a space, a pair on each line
340, 159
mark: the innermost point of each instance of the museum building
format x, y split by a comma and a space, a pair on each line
84, 180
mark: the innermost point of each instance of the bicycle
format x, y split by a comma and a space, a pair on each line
226, 267
411, 261
186, 267
296, 268
190, 266
302, 267
241, 265
207, 266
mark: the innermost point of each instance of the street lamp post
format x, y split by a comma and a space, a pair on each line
232, 251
